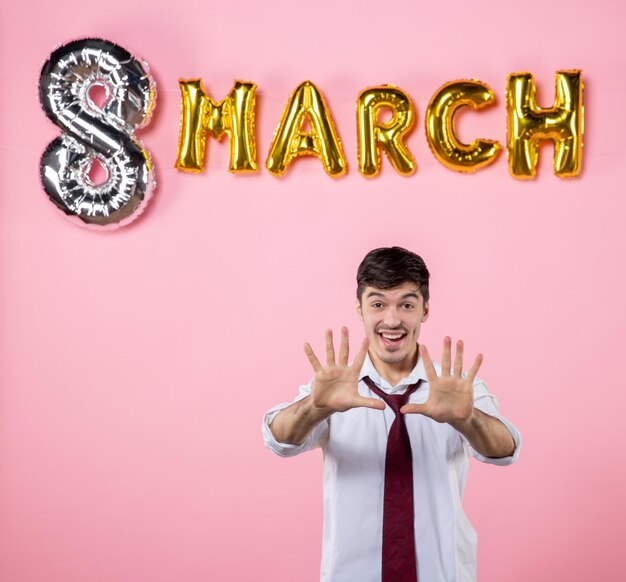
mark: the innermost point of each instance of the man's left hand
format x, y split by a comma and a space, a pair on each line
451, 396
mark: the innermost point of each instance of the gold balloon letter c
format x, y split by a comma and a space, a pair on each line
440, 132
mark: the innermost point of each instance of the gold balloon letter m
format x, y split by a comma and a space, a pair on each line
232, 116
528, 124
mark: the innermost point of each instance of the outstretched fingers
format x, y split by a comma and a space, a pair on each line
330, 348
474, 369
310, 354
431, 373
343, 355
344, 348
445, 356
458, 359
359, 360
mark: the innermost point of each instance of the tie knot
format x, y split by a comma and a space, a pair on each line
394, 401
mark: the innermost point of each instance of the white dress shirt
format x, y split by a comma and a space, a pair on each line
354, 445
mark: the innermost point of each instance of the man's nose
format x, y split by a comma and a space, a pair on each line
392, 318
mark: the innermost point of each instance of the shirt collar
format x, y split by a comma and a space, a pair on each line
368, 369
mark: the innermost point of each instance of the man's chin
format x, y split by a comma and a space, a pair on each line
389, 357
399, 355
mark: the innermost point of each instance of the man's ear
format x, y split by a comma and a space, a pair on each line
426, 312
359, 309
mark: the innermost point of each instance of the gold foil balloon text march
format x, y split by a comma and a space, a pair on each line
527, 125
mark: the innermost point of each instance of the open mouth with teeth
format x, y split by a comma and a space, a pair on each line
391, 339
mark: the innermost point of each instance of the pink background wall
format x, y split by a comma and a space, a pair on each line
136, 365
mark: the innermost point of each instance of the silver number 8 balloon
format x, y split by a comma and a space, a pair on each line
91, 132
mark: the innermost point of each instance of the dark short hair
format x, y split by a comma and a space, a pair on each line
389, 267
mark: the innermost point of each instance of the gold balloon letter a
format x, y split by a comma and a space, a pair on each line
440, 132
232, 116
306, 103
527, 124
389, 135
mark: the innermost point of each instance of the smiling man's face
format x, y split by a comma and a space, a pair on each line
392, 319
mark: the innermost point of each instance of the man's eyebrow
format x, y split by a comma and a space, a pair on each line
411, 294
379, 294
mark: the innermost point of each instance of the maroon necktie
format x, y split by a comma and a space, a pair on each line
399, 564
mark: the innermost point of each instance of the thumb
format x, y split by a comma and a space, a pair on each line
361, 401
415, 409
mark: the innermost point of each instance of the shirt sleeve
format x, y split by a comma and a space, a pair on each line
313, 440
487, 403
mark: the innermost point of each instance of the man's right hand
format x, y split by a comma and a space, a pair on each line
334, 389
335, 386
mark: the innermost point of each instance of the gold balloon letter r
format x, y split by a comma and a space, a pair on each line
389, 135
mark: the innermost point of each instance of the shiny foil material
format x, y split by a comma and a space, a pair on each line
528, 124
306, 103
389, 136
91, 132
200, 117
440, 129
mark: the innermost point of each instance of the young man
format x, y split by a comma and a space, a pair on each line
396, 430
